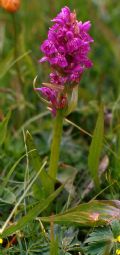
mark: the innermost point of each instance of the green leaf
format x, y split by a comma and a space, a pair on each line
54, 248
2, 35
96, 148
7, 196
32, 214
3, 128
41, 186
94, 213
115, 226
100, 242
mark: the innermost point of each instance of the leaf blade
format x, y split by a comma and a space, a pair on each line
94, 213
3, 128
42, 184
96, 148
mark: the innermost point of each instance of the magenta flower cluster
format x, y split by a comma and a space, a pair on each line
66, 49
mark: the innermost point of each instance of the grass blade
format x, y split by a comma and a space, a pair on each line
32, 214
94, 213
3, 128
54, 249
96, 148
41, 187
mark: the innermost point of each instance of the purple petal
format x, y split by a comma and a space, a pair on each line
86, 26
67, 48
43, 59
48, 47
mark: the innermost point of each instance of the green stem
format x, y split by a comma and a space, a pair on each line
55, 147
16, 41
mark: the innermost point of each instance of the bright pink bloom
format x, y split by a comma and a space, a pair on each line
66, 49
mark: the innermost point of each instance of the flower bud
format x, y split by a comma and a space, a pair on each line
10, 5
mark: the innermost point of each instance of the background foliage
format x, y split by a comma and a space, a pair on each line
20, 110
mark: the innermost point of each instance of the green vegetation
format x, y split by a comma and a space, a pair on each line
76, 212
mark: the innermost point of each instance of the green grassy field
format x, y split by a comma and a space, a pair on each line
81, 216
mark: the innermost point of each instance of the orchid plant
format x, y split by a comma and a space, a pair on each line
66, 50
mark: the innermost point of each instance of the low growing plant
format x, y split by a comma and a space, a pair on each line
66, 50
